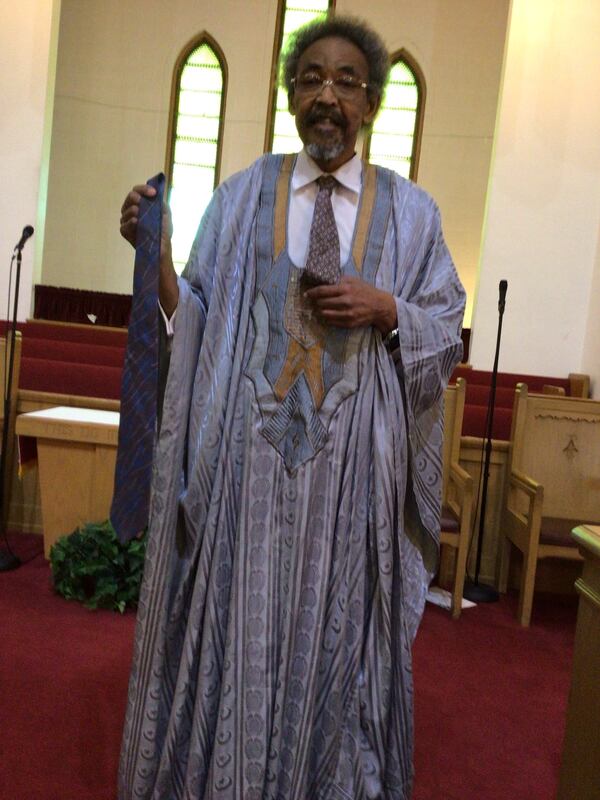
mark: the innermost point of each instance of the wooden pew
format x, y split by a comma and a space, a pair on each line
11, 401
457, 500
553, 483
478, 390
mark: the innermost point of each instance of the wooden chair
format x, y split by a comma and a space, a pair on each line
553, 483
10, 449
457, 500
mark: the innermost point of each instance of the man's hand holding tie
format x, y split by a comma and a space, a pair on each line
168, 291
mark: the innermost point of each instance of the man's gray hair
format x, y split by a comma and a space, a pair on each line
352, 29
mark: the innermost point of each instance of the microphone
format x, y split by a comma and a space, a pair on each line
27, 233
502, 287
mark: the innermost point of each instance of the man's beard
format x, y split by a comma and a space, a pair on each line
324, 152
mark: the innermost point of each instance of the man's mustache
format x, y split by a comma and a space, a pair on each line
331, 114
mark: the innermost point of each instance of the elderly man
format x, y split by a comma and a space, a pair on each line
296, 492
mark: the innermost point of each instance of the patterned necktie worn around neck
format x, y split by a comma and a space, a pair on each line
323, 261
131, 498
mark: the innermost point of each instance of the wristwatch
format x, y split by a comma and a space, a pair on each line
392, 340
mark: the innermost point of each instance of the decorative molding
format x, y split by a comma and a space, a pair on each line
571, 449
568, 418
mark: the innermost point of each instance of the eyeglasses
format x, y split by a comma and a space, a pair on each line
345, 86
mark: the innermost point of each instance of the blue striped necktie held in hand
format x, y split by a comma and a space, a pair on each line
131, 498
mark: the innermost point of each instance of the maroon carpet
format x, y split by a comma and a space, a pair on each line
490, 696
490, 701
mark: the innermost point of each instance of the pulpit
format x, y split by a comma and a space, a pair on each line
580, 771
76, 453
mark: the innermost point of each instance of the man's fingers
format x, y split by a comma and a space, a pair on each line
130, 214
334, 302
324, 291
129, 224
135, 195
144, 189
347, 283
128, 231
340, 319
330, 315
130, 211
132, 200
337, 296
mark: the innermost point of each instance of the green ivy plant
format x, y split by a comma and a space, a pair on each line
92, 566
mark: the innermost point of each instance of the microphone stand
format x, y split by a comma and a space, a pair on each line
474, 590
8, 560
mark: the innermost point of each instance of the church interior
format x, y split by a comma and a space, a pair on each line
498, 121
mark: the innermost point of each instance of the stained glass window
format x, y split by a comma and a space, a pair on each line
394, 139
195, 141
282, 136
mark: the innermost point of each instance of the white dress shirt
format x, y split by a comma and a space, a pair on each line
344, 200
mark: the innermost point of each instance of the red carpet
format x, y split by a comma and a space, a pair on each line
491, 699
63, 679
490, 696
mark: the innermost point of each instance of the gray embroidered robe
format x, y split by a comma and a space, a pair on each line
295, 511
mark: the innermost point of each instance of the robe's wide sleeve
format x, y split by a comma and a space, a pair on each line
211, 291
196, 282
222, 234
430, 303
179, 357
199, 270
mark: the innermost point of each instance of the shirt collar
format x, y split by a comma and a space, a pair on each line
306, 171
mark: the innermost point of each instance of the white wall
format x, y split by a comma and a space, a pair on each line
590, 362
543, 212
112, 101
113, 88
26, 72
459, 45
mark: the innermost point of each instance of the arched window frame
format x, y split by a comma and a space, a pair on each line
193, 44
404, 56
277, 43
199, 40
